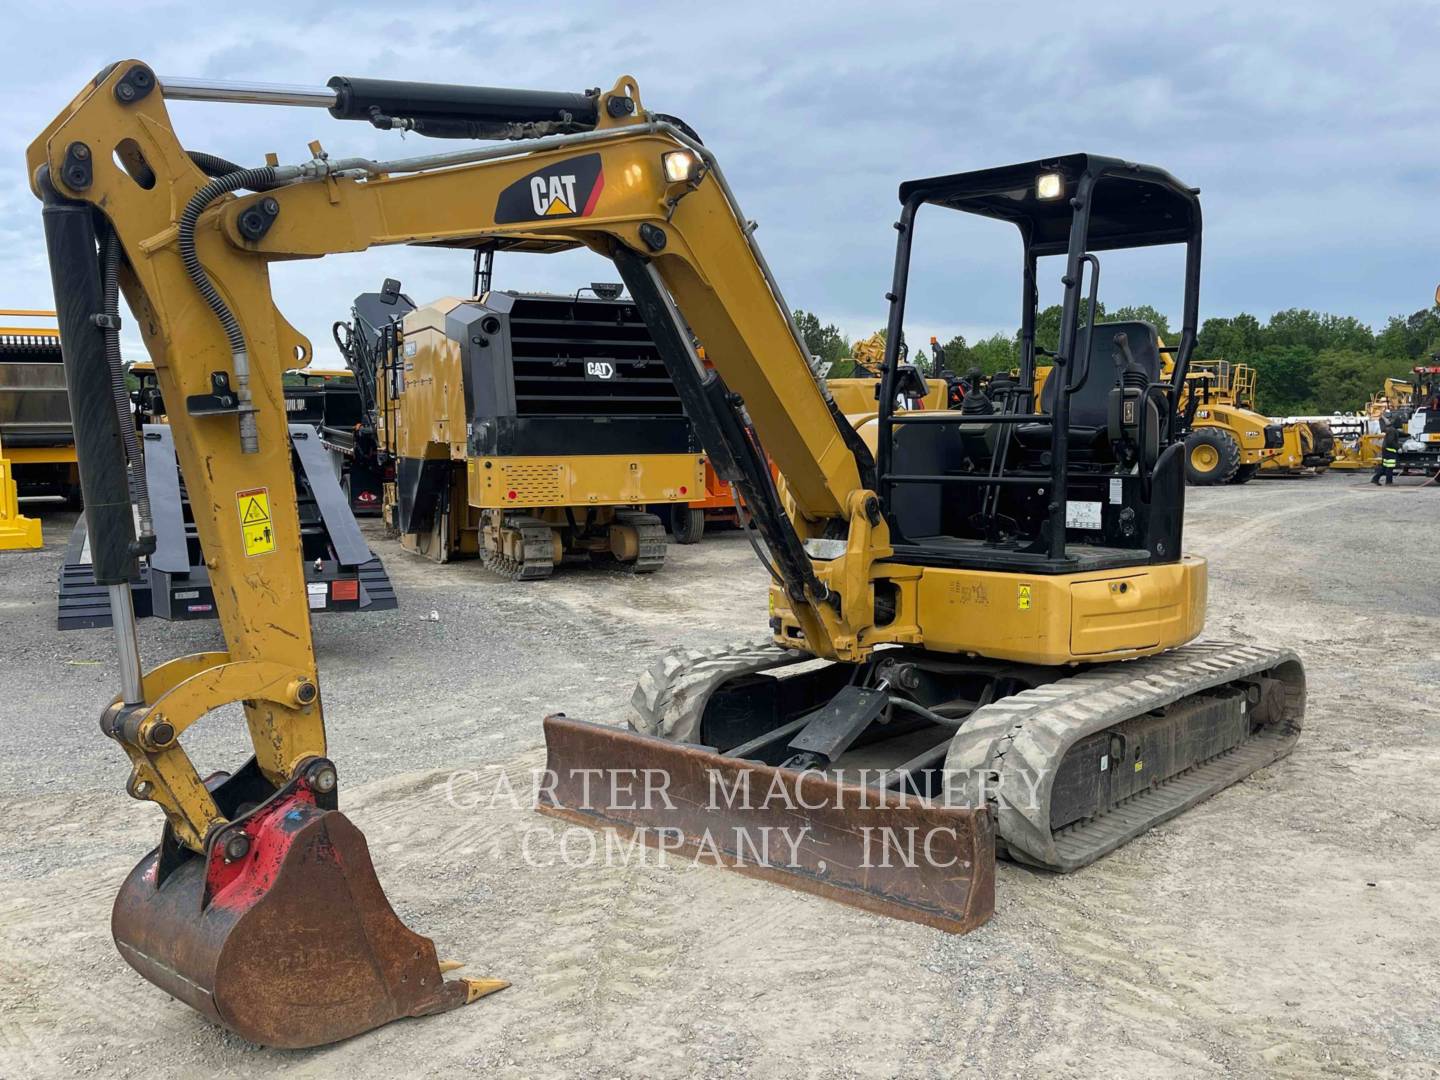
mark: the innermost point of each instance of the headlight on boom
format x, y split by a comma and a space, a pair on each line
681, 166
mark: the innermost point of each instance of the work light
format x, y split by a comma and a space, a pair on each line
680, 166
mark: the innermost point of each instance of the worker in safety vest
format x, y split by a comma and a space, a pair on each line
1389, 454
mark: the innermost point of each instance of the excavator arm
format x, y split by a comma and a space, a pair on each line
189, 239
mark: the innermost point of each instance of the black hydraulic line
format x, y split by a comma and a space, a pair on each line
212, 165
252, 179
745, 520
209, 164
920, 710
855, 443
70, 241
110, 257
221, 185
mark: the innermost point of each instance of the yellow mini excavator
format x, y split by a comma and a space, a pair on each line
991, 611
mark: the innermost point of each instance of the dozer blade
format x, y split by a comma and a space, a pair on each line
872, 849
291, 944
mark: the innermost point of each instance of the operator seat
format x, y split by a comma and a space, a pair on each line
1090, 404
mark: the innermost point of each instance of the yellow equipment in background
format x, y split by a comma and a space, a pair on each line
34, 415
1358, 437
1357, 445
1393, 394
1308, 449
1227, 440
995, 609
859, 397
531, 429
16, 531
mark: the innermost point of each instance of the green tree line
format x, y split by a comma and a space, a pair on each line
1306, 361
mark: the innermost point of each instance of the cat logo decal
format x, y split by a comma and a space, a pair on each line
566, 189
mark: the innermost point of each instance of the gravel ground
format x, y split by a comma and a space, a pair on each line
1286, 927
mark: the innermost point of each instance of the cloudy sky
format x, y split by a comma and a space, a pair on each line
1310, 129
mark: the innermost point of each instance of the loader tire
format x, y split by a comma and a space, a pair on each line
1212, 456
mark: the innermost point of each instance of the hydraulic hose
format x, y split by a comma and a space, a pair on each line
211, 165
110, 256
254, 179
919, 710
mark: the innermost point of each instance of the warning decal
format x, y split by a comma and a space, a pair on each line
1023, 598
256, 532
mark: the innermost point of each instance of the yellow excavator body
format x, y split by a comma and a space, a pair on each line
955, 604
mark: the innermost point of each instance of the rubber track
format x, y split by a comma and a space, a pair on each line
650, 532
672, 693
1005, 744
538, 548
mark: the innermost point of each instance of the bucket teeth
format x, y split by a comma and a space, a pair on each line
475, 989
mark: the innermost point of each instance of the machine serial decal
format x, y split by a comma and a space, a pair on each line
256, 533
566, 189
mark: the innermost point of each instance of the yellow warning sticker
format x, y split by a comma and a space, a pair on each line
256, 533
1023, 598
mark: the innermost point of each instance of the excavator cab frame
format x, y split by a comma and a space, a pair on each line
1071, 206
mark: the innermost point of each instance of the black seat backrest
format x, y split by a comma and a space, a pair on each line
1089, 405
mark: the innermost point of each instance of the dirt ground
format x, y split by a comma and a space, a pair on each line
1286, 927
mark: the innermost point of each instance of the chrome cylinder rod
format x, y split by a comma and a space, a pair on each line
246, 93
127, 641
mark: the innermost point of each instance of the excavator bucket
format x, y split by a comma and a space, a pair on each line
883, 851
281, 931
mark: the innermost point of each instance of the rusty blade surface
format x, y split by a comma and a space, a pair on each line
904, 857
296, 947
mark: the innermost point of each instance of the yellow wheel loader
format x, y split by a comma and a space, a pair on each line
1226, 440
982, 633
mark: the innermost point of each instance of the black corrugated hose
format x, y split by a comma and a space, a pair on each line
255, 180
